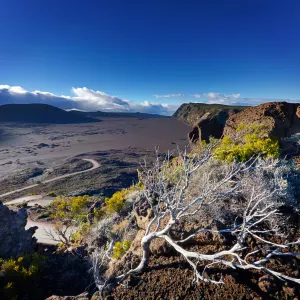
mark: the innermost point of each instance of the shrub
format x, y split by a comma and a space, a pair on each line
99, 213
120, 248
20, 276
116, 202
68, 209
249, 141
80, 234
69, 212
52, 194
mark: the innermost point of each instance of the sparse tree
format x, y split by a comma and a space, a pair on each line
253, 192
68, 214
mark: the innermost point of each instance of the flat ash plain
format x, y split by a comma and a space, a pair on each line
30, 153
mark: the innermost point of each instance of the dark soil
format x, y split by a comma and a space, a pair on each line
172, 278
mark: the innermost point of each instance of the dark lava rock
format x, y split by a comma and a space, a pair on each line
266, 283
14, 238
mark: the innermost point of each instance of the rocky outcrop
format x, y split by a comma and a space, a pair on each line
14, 239
207, 119
281, 118
210, 125
193, 113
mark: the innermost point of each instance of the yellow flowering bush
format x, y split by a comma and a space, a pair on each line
250, 140
116, 202
120, 248
19, 275
66, 209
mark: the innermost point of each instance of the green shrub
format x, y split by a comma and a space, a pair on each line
80, 234
20, 276
68, 212
250, 140
120, 248
68, 209
52, 194
116, 201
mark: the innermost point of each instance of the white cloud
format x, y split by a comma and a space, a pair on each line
221, 98
236, 99
197, 95
82, 99
85, 99
168, 96
13, 89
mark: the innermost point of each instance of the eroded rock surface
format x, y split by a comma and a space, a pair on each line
210, 125
14, 238
281, 118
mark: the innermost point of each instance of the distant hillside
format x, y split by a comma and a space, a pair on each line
102, 114
192, 113
39, 113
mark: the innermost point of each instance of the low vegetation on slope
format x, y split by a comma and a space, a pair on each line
217, 222
217, 214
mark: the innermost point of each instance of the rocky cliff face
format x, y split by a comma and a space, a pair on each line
281, 118
207, 119
192, 113
211, 124
14, 239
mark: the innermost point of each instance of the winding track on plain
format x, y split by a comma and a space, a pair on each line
95, 166
40, 233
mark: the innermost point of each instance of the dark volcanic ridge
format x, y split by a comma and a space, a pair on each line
44, 113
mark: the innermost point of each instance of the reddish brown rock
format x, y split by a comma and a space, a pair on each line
281, 118
266, 283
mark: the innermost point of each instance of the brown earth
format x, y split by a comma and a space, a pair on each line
282, 119
170, 277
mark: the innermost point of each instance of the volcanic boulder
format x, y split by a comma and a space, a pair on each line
14, 238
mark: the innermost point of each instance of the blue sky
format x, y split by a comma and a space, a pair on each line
220, 51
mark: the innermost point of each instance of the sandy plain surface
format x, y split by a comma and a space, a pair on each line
29, 145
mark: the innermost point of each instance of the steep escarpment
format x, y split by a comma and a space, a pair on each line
192, 113
207, 119
281, 118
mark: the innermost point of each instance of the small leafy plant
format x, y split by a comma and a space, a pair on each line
120, 248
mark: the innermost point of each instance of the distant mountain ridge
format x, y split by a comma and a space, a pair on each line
44, 113
103, 114
39, 113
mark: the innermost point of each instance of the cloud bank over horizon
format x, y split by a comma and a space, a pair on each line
87, 99
82, 99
